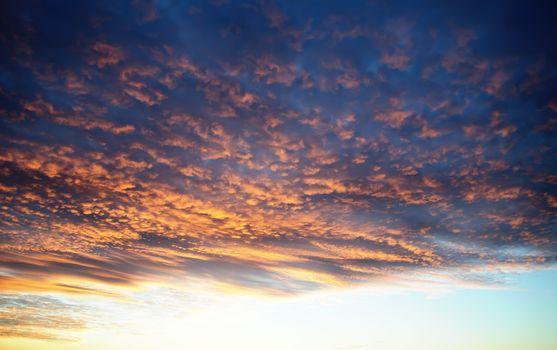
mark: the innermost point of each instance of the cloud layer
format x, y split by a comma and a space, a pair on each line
273, 147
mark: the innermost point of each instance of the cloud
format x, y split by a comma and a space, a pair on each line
394, 119
104, 54
38, 317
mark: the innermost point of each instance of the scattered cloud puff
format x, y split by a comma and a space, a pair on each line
269, 149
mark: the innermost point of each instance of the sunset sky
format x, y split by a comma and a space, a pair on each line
337, 175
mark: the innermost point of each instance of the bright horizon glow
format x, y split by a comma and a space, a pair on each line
519, 316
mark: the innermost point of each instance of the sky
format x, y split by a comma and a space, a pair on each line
340, 175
